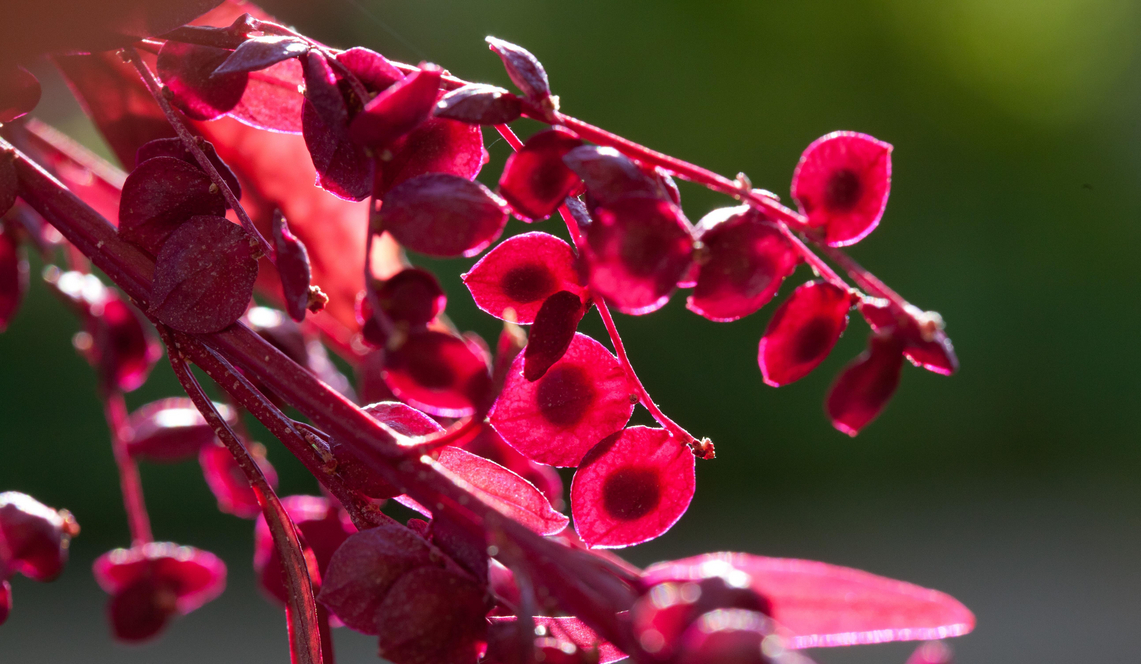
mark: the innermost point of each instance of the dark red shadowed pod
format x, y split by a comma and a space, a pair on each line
439, 373
523, 68
34, 538
227, 481
396, 111
174, 147
744, 261
443, 215
159, 196
552, 333
631, 487
583, 398
151, 583
343, 166
865, 386
292, 267
322, 530
402, 419
638, 248
520, 274
802, 332
479, 104
19, 92
535, 180
171, 430
925, 343
842, 183
13, 277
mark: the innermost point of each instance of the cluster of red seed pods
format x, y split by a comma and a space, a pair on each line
262, 161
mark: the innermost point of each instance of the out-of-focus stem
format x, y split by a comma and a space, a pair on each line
115, 410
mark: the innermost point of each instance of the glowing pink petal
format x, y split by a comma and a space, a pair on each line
865, 386
321, 530
159, 196
171, 430
583, 398
443, 215
396, 111
520, 274
479, 104
842, 184
229, 484
432, 615
535, 180
34, 538
802, 332
631, 487
438, 373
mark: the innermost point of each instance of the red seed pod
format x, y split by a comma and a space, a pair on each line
401, 418
34, 538
343, 166
159, 196
520, 274
227, 481
398, 110
490, 445
925, 343
5, 600
609, 175
631, 487
443, 215
842, 183
744, 261
432, 615
151, 583
412, 296
292, 268
638, 248
479, 104
321, 530
730, 635
535, 180
552, 333
438, 373
437, 145
370, 67
174, 147
583, 398
172, 430
8, 183
19, 92
188, 70
866, 385
802, 332
13, 277
523, 68
932, 652
260, 52
363, 569
204, 275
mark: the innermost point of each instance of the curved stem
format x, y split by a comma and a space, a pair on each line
115, 410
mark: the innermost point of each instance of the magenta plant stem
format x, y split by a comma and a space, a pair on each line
115, 410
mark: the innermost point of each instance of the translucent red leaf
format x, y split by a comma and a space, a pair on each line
34, 538
490, 445
174, 147
5, 600
150, 583
19, 91
728, 635
437, 145
842, 183
609, 175
535, 180
261, 52
865, 386
204, 275
292, 268
13, 278
744, 262
479, 104
364, 568
826, 605
925, 343
396, 111
523, 68
438, 373
638, 248
443, 215
322, 530
159, 196
432, 615
631, 487
520, 274
583, 398
187, 70
229, 484
343, 166
371, 68
802, 332
272, 99
567, 630
552, 333
171, 430
412, 296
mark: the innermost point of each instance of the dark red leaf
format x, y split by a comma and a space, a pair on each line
535, 179
431, 616
188, 71
866, 385
638, 248
802, 332
34, 538
438, 373
479, 104
19, 92
174, 147
159, 196
437, 145
171, 430
925, 343
609, 175
373, 70
364, 568
842, 184
583, 398
398, 110
631, 487
292, 268
744, 261
443, 215
514, 279
524, 69
261, 52
552, 333
229, 484
343, 166
13, 278
321, 529
204, 275
411, 296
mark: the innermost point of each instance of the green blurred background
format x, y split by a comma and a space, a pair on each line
1013, 485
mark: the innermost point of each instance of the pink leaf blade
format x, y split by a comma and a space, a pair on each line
398, 110
552, 333
293, 269
520, 274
